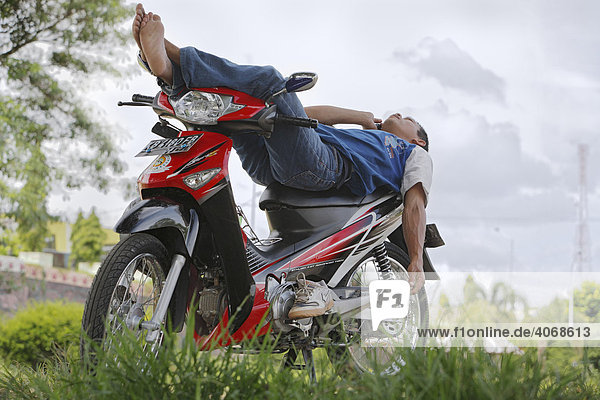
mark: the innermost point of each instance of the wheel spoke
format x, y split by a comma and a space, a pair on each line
129, 295
391, 333
152, 299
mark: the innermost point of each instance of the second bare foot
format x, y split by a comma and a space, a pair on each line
152, 38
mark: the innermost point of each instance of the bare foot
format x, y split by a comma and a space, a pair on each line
152, 38
135, 27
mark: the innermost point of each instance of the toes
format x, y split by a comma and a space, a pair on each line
139, 10
137, 21
156, 17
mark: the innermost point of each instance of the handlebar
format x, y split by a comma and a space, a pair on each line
140, 98
266, 120
304, 122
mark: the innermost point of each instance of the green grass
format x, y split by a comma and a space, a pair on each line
181, 372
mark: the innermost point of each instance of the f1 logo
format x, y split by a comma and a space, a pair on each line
389, 300
381, 297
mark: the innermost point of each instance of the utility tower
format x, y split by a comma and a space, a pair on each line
581, 263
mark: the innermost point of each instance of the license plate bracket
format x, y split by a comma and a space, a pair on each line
169, 146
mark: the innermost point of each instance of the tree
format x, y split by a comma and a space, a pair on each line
472, 291
507, 300
87, 238
586, 300
48, 50
9, 245
557, 311
502, 304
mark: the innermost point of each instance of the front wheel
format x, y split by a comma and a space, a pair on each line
126, 290
371, 352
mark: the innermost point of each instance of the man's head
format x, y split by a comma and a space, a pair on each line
407, 129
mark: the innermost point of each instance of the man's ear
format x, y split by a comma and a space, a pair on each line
419, 142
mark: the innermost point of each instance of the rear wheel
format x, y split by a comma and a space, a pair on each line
126, 290
382, 350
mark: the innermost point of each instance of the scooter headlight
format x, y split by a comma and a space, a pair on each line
204, 108
199, 179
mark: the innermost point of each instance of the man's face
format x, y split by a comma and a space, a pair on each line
404, 128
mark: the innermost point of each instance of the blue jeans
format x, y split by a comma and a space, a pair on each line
293, 156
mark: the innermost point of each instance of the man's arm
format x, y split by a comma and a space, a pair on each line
330, 115
413, 225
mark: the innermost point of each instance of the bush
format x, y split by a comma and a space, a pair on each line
36, 332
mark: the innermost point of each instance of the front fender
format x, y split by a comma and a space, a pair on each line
159, 213
162, 217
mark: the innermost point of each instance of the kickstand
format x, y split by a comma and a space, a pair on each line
289, 360
310, 364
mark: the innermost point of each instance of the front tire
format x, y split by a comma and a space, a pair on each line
126, 289
350, 352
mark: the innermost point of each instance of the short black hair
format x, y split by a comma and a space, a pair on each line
423, 135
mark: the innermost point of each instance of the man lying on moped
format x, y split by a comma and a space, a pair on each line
391, 153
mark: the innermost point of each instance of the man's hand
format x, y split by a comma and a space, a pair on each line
416, 276
369, 120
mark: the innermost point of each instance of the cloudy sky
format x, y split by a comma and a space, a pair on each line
507, 91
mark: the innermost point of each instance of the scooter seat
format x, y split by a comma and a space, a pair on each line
277, 196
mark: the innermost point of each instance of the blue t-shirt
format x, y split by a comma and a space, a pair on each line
378, 157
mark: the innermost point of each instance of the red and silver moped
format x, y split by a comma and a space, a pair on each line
187, 249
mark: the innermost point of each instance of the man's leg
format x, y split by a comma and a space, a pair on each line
293, 156
172, 52
298, 157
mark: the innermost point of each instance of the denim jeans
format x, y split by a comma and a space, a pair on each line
293, 156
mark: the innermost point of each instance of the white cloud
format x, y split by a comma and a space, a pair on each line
454, 68
482, 158
569, 35
484, 179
